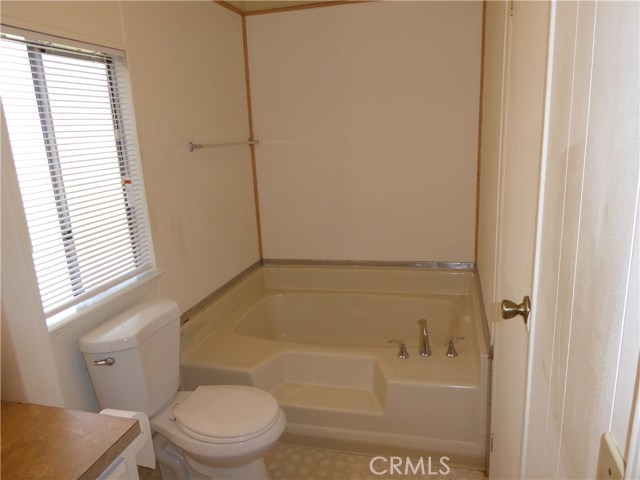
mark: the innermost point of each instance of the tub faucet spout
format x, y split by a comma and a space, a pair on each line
423, 342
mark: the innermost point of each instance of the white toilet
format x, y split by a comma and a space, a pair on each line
220, 431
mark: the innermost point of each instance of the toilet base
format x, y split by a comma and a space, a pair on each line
174, 465
171, 462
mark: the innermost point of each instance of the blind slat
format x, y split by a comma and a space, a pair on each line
62, 305
94, 287
89, 234
99, 265
69, 158
81, 175
87, 217
50, 274
92, 280
43, 213
47, 271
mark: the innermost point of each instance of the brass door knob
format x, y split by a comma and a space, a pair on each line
510, 309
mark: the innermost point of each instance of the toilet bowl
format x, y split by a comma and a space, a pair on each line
234, 427
215, 431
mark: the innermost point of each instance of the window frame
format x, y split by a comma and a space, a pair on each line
136, 210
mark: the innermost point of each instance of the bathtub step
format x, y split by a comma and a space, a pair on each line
310, 396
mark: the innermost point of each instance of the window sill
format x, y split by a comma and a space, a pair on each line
66, 317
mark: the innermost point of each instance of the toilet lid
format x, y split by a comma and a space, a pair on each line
226, 413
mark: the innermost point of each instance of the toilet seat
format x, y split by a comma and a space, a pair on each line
226, 413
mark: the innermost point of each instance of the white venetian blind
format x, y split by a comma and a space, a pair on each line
73, 142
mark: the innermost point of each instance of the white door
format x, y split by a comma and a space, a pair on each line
527, 31
584, 361
579, 377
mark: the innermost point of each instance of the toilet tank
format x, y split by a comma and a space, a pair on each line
134, 358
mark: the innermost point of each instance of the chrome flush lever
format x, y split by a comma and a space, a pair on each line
107, 361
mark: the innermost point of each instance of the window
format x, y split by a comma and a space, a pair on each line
71, 131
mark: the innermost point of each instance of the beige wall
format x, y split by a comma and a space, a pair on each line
367, 116
187, 74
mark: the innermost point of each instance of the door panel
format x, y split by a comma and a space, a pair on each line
586, 236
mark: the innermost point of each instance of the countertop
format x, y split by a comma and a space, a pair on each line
49, 443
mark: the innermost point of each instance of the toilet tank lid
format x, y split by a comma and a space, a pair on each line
130, 328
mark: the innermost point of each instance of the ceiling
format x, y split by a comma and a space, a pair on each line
262, 5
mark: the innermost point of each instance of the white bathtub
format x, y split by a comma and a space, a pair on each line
316, 338
350, 319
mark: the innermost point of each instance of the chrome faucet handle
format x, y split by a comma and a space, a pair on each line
451, 351
402, 354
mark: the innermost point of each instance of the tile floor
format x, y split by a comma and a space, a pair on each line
297, 462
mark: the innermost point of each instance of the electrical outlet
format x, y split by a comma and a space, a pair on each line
610, 461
